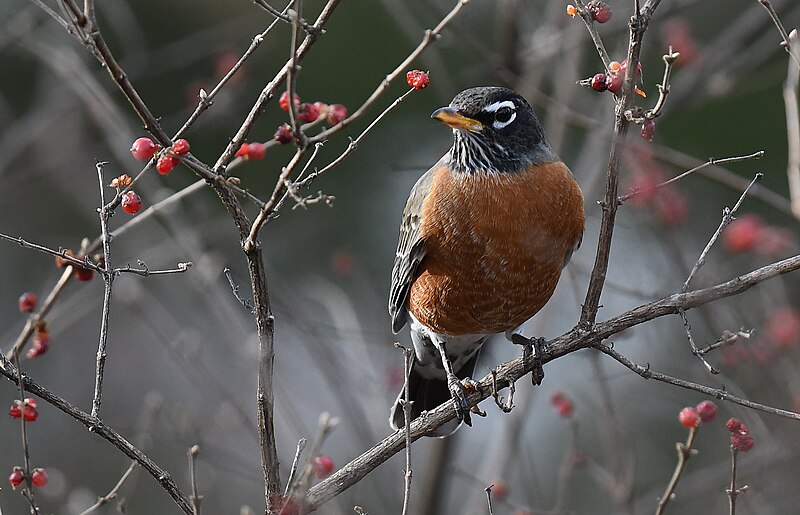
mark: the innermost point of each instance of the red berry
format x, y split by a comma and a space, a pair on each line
600, 11
283, 134
17, 477
27, 302
180, 147
166, 163
648, 129
614, 82
599, 82
257, 150
774, 241
143, 149
131, 202
418, 79
733, 425
29, 413
284, 100
783, 327
15, 411
244, 150
323, 466
562, 403
689, 417
742, 233
336, 113
308, 113
707, 410
39, 344
323, 108
572, 10
742, 441
500, 490
39, 477
83, 273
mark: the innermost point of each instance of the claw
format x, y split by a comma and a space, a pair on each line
529, 346
459, 394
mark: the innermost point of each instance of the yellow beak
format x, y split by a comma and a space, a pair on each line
456, 120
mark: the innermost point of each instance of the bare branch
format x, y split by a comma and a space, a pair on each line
685, 451
112, 494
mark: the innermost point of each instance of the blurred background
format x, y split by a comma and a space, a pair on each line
182, 352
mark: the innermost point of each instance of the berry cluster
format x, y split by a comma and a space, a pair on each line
562, 404
24, 409
307, 112
690, 417
750, 232
143, 149
740, 435
17, 477
418, 79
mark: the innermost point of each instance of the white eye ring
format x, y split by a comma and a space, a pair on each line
493, 108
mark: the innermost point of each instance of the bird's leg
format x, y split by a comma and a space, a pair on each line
531, 346
457, 390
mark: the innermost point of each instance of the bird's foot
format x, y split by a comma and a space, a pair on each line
532, 352
458, 391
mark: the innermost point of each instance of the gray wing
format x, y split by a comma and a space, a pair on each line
410, 250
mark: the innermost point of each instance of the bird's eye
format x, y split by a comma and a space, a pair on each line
504, 114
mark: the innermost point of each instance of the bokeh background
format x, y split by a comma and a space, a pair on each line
182, 352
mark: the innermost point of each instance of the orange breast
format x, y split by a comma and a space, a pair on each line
494, 247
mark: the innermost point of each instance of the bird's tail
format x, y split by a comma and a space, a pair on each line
427, 394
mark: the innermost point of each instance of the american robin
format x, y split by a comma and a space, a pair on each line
484, 236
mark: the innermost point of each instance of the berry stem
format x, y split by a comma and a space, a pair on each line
732, 491
586, 16
684, 453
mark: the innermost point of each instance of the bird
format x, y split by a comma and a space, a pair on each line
484, 236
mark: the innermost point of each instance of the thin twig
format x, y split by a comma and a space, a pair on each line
727, 217
717, 393
711, 162
235, 289
291, 77
108, 282
408, 361
111, 495
488, 491
727, 338
299, 487
663, 89
786, 42
586, 16
693, 345
685, 452
301, 444
195, 498
734, 492
790, 90
146, 272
